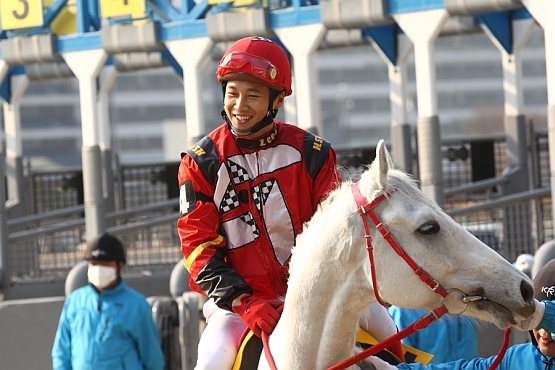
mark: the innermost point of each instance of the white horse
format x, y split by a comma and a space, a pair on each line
330, 275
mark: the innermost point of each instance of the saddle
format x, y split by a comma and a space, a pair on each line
251, 349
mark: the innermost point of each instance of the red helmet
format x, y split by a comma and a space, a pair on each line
256, 57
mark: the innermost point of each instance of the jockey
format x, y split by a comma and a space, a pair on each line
246, 189
536, 355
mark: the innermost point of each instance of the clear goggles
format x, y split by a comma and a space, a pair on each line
261, 68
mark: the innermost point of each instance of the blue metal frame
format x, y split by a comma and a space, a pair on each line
5, 85
5, 88
173, 63
500, 25
386, 38
189, 21
406, 6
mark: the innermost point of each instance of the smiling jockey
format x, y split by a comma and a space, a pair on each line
246, 189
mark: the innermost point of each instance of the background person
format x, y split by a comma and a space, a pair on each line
106, 325
536, 355
451, 338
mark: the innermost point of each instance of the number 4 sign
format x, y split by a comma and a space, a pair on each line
16, 14
116, 8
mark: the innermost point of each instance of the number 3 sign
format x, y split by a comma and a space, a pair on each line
16, 14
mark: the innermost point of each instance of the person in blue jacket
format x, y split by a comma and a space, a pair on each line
536, 355
451, 338
106, 325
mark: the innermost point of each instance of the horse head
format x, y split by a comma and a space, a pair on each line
478, 281
331, 280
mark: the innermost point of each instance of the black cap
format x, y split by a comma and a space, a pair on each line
544, 282
105, 247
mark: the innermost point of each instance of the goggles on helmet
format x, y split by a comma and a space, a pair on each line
237, 61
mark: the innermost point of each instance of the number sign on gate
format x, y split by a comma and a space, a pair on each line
116, 8
16, 14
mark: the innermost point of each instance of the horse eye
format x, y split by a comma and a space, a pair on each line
429, 228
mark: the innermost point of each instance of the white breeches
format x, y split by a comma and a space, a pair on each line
219, 342
377, 322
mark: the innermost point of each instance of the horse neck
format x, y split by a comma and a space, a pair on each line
328, 288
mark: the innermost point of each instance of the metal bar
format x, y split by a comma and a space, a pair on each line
476, 186
170, 203
30, 234
128, 228
45, 215
53, 11
163, 7
198, 11
503, 201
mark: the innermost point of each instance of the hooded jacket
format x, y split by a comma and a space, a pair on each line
519, 357
107, 330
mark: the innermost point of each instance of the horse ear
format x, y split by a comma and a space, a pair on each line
383, 163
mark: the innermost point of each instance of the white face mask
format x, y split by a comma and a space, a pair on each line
101, 276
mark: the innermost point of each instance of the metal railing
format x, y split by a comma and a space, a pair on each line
45, 246
51, 250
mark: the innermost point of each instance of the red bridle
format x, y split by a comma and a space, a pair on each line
366, 209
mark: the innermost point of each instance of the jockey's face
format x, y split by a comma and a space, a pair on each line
545, 343
246, 104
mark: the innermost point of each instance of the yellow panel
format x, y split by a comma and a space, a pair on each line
64, 23
116, 8
16, 14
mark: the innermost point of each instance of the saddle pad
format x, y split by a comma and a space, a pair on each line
251, 349
365, 340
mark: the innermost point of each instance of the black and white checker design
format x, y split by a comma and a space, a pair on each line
249, 220
230, 200
238, 173
260, 192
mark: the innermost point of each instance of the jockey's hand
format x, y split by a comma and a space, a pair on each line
260, 315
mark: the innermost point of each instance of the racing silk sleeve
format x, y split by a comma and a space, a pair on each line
202, 243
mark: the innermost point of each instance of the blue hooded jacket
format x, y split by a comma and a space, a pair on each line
519, 357
112, 329
449, 339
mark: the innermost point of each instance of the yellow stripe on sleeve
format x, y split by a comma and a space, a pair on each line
198, 250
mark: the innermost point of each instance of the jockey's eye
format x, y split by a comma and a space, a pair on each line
429, 228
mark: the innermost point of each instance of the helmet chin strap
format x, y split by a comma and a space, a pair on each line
264, 122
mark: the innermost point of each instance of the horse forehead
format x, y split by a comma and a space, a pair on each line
406, 206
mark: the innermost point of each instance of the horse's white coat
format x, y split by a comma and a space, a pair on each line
330, 281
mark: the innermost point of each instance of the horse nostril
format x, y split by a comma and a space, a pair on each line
527, 292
